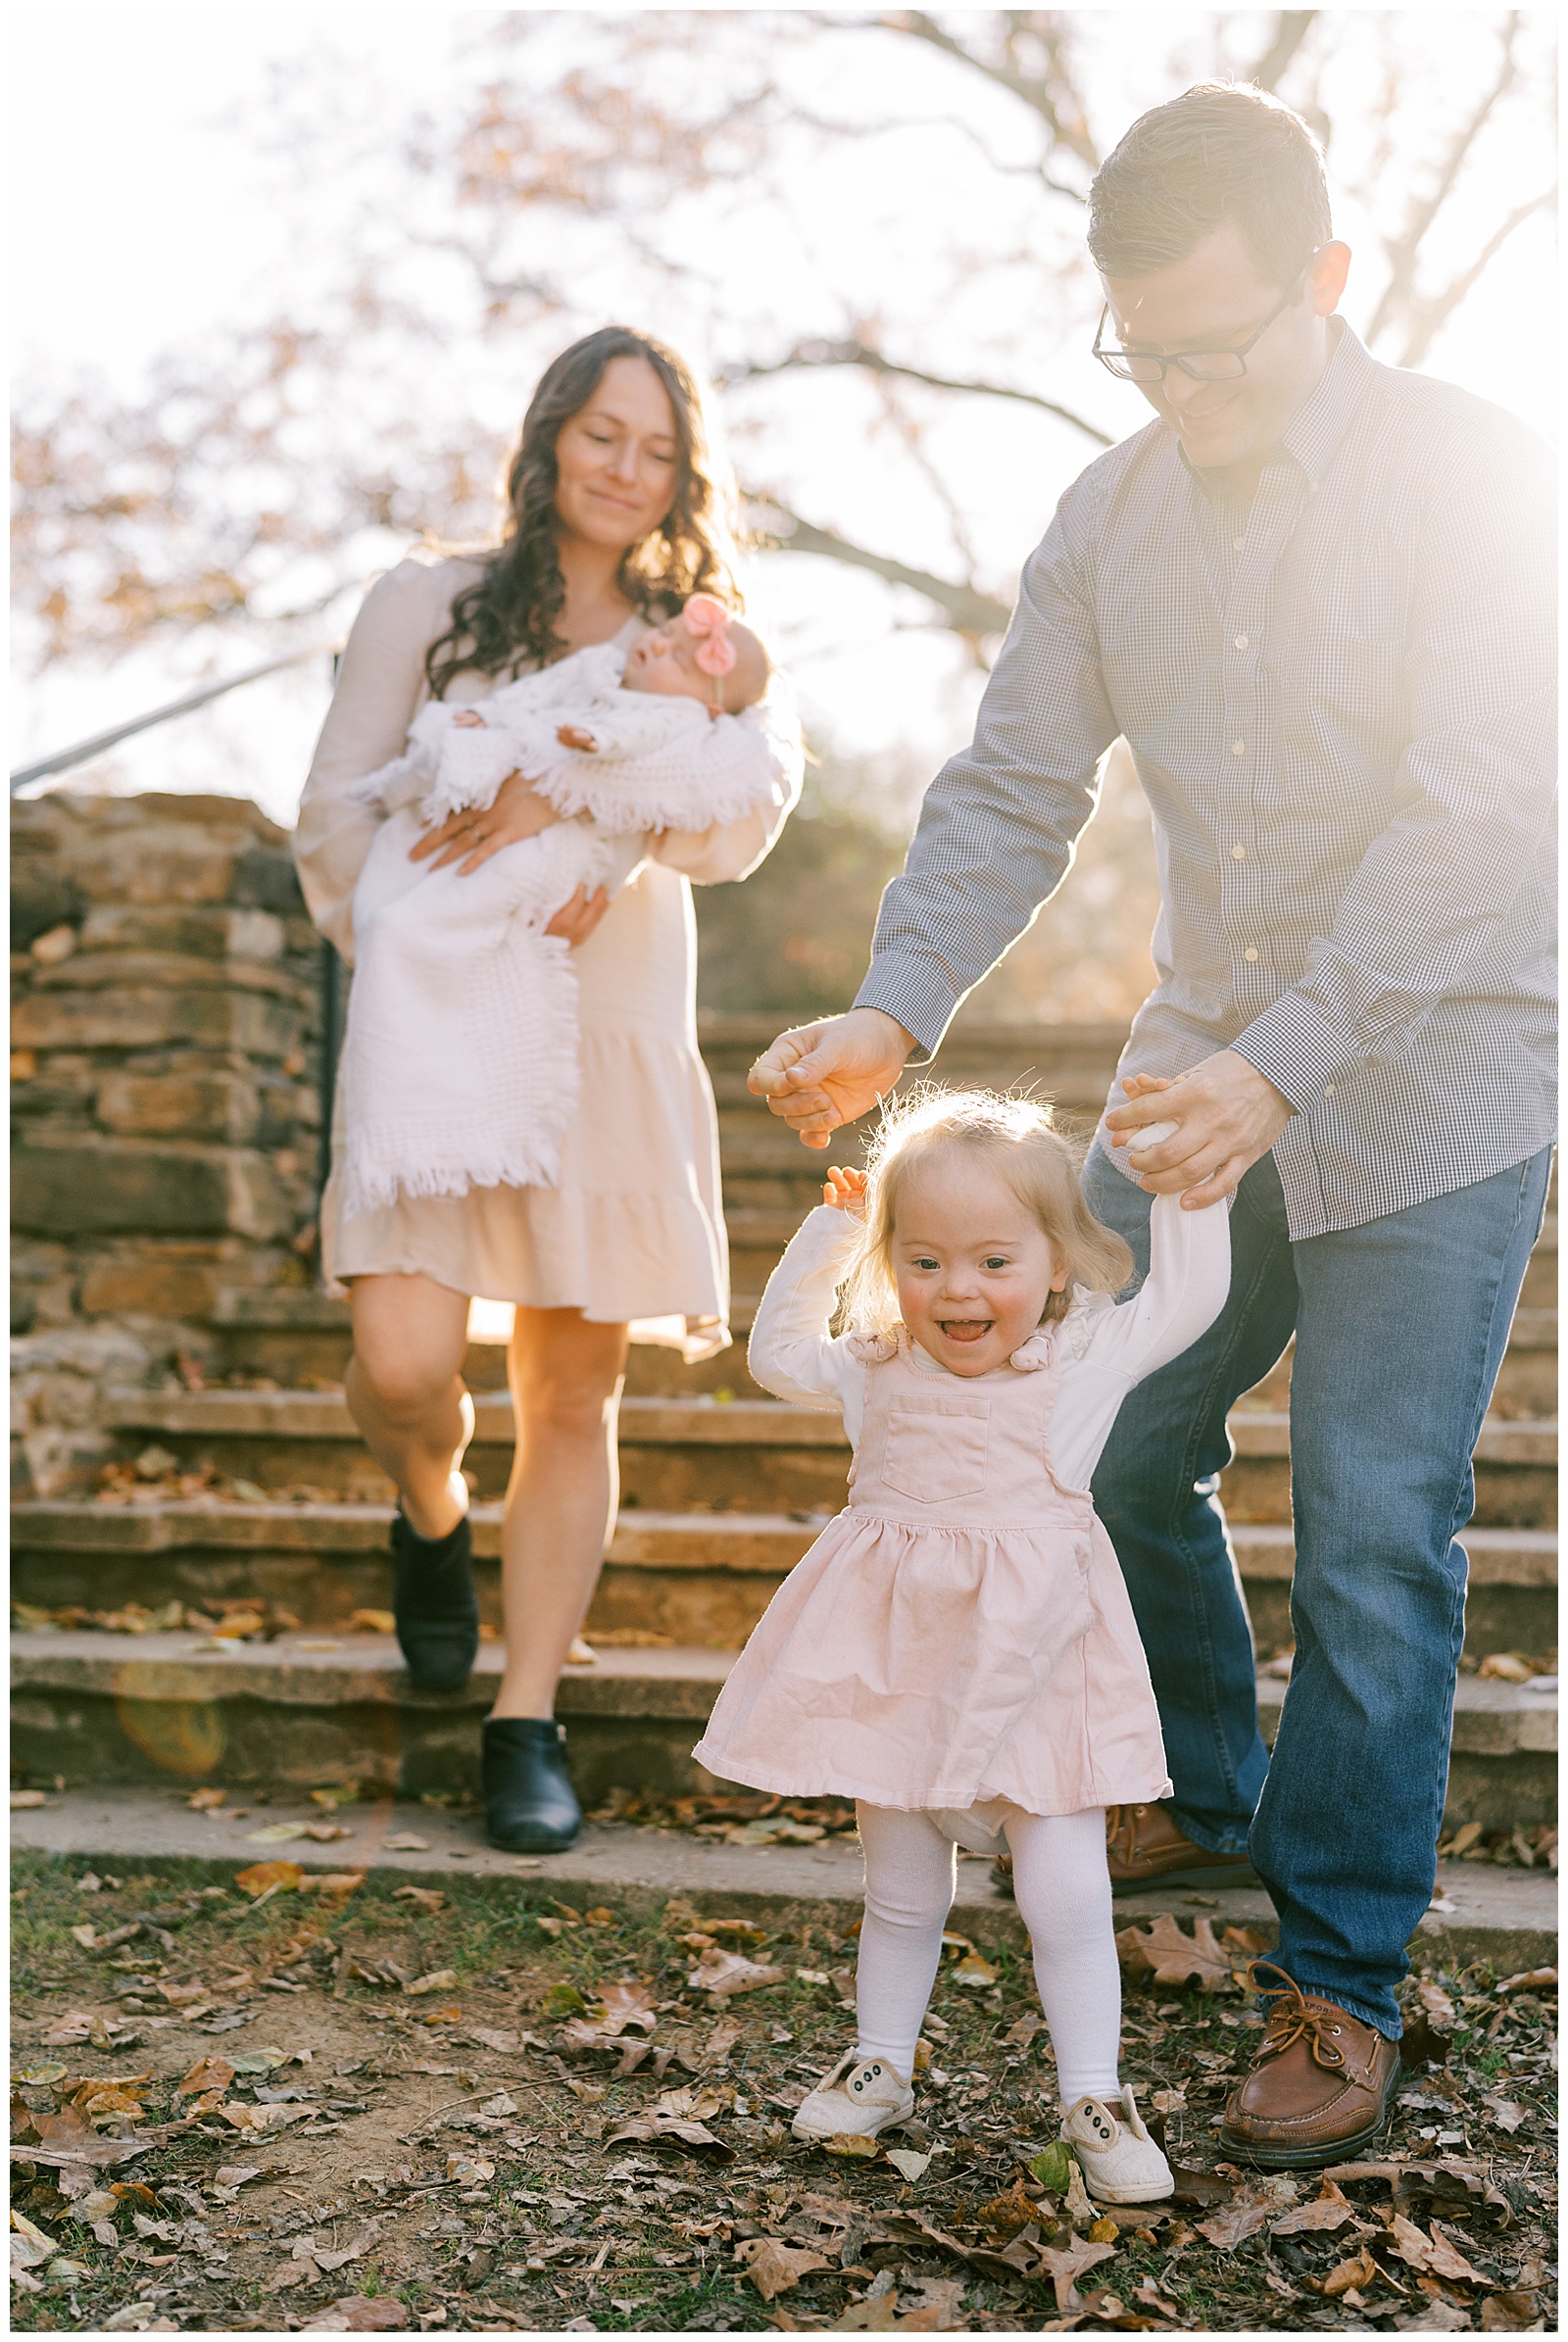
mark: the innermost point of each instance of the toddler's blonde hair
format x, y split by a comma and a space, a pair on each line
1019, 1139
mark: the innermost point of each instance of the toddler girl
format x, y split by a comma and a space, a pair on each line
460, 1054
957, 1651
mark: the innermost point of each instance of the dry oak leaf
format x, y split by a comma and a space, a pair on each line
1436, 2316
1065, 2263
1432, 2253
775, 2268
207, 2074
1250, 2209
1173, 1957
356, 2313
1005, 2214
726, 1973
1362, 2270
427, 1899
263, 1877
1328, 2210
439, 1979
1513, 2312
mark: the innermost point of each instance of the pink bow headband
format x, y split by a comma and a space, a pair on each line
705, 616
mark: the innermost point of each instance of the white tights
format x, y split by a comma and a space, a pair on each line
1062, 1886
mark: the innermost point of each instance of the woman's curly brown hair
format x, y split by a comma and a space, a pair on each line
508, 619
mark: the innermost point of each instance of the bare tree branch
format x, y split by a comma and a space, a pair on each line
1290, 29
1050, 95
1399, 297
1429, 314
872, 362
966, 610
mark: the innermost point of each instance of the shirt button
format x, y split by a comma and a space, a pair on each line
1238, 747
1240, 642
1237, 854
1249, 953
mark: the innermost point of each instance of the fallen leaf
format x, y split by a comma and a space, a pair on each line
427, 1897
1448, 2262
907, 2162
494, 2037
1507, 2114
972, 1970
276, 1833
1065, 2263
1530, 1980
469, 2169
1054, 2167
1250, 2209
1362, 2270
854, 2145
361, 2313
373, 1622
1511, 2312
775, 2268
236, 2175
1173, 1958
404, 1841
1328, 2210
1021, 2036
724, 1973
21, 1800
1005, 2214
1436, 2317
439, 1979
324, 1832
1437, 2005
661, 2126
332, 1882
267, 1877
204, 1801
1431, 2252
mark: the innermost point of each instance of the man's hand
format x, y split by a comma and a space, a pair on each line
1228, 1117
818, 1077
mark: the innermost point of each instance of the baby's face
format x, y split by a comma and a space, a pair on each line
664, 659
973, 1267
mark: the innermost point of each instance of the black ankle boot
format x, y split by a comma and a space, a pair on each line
433, 1603
531, 1806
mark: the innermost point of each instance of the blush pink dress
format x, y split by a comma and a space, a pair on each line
961, 1638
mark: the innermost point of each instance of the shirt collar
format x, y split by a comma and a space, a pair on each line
1313, 437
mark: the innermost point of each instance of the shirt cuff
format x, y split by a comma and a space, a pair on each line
916, 993
1297, 1047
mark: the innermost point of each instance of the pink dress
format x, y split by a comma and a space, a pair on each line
960, 1637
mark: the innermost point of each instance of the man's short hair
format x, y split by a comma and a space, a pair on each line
1218, 152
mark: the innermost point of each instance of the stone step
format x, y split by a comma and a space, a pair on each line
308, 1711
1505, 1917
301, 1339
684, 1454
698, 1578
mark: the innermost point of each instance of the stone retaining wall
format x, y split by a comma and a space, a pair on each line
165, 1098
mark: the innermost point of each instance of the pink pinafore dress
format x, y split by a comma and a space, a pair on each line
961, 1634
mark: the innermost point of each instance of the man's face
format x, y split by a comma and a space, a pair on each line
1215, 299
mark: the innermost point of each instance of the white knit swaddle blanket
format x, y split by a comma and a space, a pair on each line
460, 1061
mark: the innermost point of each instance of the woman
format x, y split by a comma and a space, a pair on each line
613, 523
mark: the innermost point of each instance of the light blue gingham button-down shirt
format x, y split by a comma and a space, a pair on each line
1341, 704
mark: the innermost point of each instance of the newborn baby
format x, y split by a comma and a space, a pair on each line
459, 1055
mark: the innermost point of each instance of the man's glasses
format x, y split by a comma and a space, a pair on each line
1204, 365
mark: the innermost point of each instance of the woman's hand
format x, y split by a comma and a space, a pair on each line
577, 919
470, 838
845, 1190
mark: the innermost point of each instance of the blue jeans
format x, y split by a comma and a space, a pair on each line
1400, 1327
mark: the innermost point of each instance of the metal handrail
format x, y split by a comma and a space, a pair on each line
85, 748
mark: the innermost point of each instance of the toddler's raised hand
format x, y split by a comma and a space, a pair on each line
845, 1190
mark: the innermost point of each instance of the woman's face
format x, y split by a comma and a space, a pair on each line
616, 458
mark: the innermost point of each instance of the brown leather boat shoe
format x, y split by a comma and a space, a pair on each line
1319, 2087
1142, 1844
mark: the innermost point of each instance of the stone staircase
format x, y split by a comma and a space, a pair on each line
722, 1491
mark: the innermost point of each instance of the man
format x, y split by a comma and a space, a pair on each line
1314, 597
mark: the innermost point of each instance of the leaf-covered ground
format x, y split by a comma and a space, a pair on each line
474, 2109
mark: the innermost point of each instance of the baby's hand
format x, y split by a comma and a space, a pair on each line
1139, 1085
470, 719
573, 735
845, 1190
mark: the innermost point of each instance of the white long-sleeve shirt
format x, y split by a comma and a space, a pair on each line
1105, 1346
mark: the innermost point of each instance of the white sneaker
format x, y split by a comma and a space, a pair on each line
1121, 2164
862, 2096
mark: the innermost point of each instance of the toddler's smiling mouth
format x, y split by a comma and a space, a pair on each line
966, 1329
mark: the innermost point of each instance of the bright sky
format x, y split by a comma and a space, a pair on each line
146, 212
